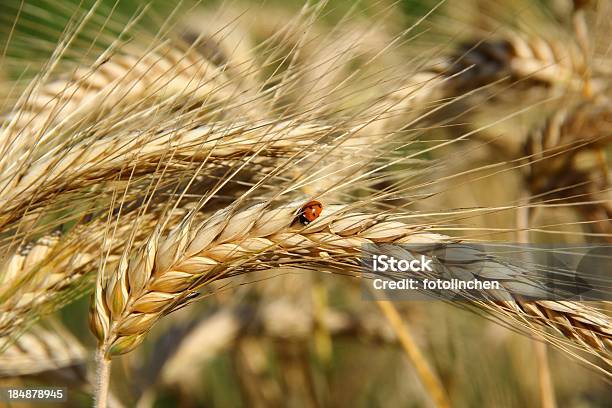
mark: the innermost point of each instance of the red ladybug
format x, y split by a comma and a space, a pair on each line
310, 212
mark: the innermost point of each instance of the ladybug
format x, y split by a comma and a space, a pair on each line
310, 212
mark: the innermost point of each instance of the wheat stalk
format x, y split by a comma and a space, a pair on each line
115, 80
135, 154
514, 57
159, 277
35, 275
38, 277
118, 94
558, 164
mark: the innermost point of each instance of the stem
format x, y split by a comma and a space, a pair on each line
426, 373
547, 390
103, 377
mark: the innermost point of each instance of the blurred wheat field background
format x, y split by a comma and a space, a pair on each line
158, 158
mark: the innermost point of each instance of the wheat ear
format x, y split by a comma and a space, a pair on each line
43, 349
87, 163
564, 162
40, 276
119, 79
34, 277
515, 57
158, 277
